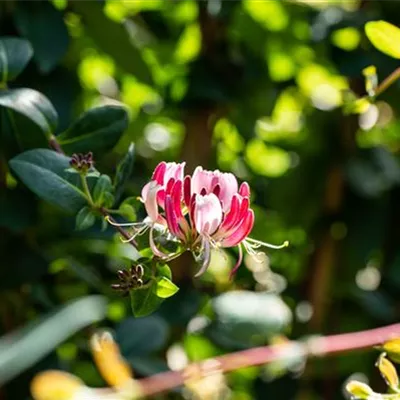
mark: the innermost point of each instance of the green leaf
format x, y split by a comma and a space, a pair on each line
127, 208
102, 190
97, 130
85, 218
27, 118
150, 335
113, 38
15, 54
39, 21
44, 172
145, 301
384, 36
31, 104
23, 348
244, 318
165, 288
163, 270
124, 170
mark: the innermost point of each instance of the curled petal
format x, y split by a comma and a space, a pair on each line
231, 216
201, 180
150, 202
238, 262
207, 214
206, 258
175, 171
241, 232
159, 173
244, 189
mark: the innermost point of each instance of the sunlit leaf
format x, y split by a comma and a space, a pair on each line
165, 288
384, 36
31, 104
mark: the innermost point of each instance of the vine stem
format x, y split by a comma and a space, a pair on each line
312, 347
388, 81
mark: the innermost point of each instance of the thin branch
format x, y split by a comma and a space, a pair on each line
387, 82
122, 231
313, 347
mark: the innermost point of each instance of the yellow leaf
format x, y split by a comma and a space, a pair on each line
359, 390
388, 371
385, 37
392, 348
55, 385
114, 369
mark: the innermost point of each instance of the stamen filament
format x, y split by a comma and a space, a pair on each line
113, 223
257, 243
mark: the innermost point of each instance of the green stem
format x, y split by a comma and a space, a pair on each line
86, 190
387, 82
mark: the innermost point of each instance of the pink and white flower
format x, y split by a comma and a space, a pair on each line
203, 211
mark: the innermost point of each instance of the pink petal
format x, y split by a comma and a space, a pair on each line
186, 190
241, 232
231, 216
201, 180
229, 187
244, 189
145, 191
171, 216
151, 201
174, 171
207, 214
159, 172
238, 262
176, 194
169, 185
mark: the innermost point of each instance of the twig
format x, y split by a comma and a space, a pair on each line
313, 347
122, 231
387, 82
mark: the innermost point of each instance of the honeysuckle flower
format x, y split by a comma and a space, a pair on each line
153, 196
208, 210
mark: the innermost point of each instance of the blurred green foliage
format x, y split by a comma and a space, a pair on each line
253, 87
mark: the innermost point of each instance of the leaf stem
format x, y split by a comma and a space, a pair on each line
388, 81
86, 190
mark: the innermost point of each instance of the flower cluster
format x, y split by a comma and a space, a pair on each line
203, 211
